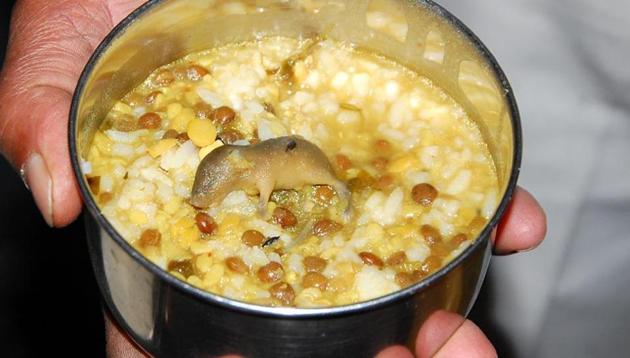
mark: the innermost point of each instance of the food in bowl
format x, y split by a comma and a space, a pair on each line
289, 172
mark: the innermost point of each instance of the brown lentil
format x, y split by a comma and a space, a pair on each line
424, 194
151, 97
431, 235
229, 136
282, 292
314, 264
324, 194
404, 279
224, 115
343, 162
183, 137
434, 239
236, 264
283, 217
205, 223
196, 72
382, 146
315, 279
164, 78
431, 264
417, 275
271, 272
362, 181
371, 259
458, 240
94, 184
326, 227
203, 111
183, 267
285, 73
253, 238
105, 198
150, 121
380, 164
150, 237
476, 224
397, 258
269, 108
170, 134
383, 183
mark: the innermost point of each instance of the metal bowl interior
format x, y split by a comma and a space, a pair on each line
430, 41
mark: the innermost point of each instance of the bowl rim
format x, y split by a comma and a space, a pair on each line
294, 312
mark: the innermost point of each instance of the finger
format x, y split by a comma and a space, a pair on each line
523, 226
467, 342
395, 352
436, 331
43, 61
119, 345
34, 139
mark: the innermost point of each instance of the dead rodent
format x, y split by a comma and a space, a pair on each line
280, 163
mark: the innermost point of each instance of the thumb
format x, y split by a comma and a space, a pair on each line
33, 137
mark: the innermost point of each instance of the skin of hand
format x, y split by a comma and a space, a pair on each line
50, 42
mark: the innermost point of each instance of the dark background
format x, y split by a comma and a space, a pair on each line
49, 302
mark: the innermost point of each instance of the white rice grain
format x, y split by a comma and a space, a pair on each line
340, 80
489, 204
253, 256
295, 263
400, 113
107, 183
346, 117
272, 256
361, 84
371, 282
418, 252
86, 167
428, 156
265, 131
177, 157
460, 183
125, 137
210, 97
122, 150
241, 142
155, 175
139, 111
392, 208
164, 192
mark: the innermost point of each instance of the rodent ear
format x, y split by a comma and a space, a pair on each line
291, 145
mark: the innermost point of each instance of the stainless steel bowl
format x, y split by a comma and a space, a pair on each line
168, 317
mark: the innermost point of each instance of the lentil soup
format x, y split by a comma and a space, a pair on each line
420, 181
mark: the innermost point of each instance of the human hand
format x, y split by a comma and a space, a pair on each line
50, 43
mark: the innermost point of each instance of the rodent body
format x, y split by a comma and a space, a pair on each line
280, 163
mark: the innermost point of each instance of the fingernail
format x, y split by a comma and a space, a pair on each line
513, 252
37, 179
